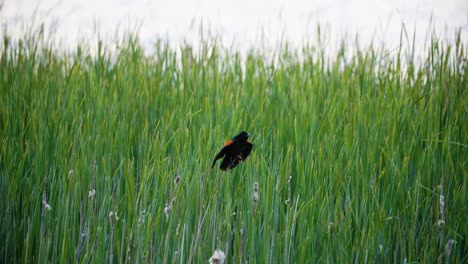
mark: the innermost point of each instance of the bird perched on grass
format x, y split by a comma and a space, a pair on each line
234, 151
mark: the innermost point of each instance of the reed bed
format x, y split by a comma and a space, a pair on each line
358, 157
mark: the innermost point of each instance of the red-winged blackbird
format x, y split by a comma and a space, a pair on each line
234, 151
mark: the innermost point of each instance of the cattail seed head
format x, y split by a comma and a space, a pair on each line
91, 193
218, 257
441, 223
288, 200
46, 206
168, 209
442, 202
255, 195
449, 247
141, 219
177, 178
113, 217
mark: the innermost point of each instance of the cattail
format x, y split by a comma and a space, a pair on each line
442, 204
218, 257
177, 178
141, 219
91, 193
255, 196
168, 209
288, 200
441, 222
113, 217
449, 247
45, 206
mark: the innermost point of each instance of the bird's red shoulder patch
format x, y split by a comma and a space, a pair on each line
229, 143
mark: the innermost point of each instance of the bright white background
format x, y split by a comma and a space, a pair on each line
240, 23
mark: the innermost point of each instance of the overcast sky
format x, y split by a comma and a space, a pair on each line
241, 21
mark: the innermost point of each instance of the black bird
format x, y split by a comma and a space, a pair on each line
234, 151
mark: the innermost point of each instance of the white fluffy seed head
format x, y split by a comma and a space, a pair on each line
177, 180
255, 196
168, 209
113, 217
218, 257
46, 206
441, 223
449, 247
255, 190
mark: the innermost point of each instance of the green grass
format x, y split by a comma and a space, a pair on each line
370, 138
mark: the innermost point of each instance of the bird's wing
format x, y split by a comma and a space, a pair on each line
246, 149
227, 163
228, 143
232, 162
222, 152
